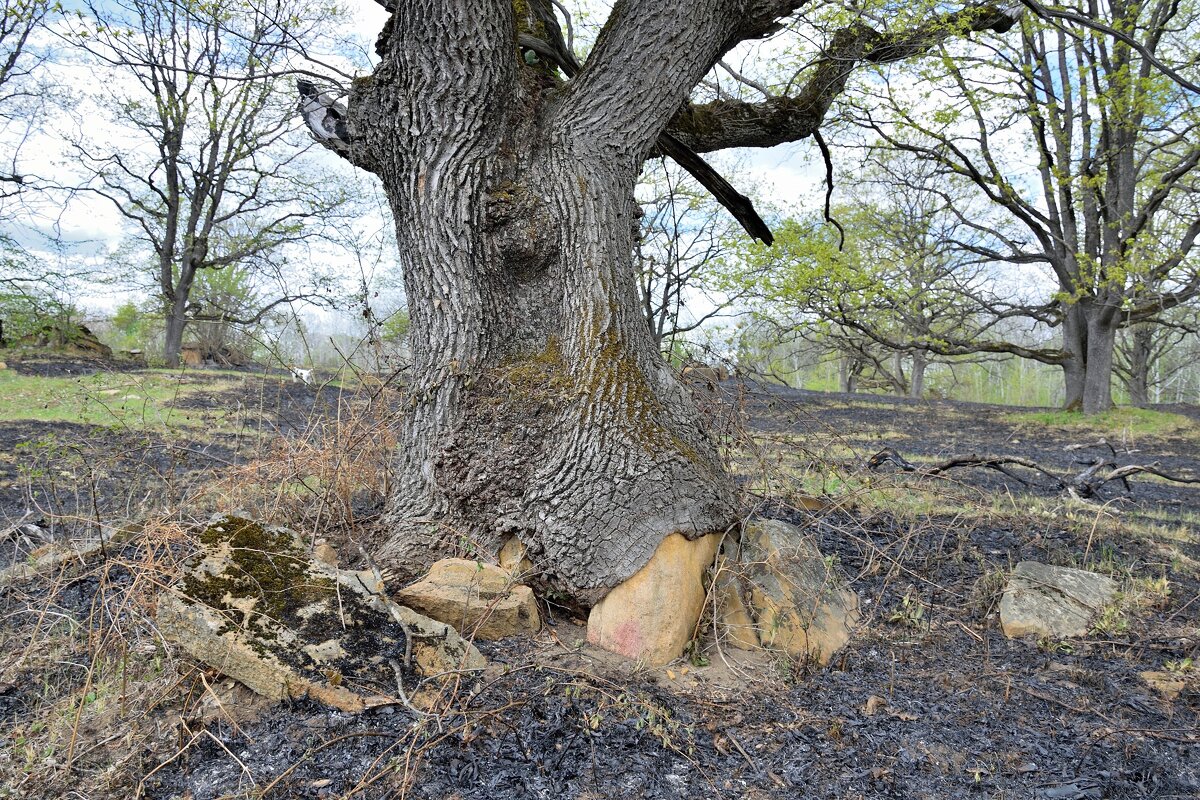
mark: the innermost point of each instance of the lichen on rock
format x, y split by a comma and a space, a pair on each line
254, 605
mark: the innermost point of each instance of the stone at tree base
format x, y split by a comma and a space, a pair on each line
512, 557
652, 616
1054, 602
255, 606
478, 599
791, 597
735, 625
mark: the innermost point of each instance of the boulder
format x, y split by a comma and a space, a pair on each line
1054, 602
67, 337
478, 599
735, 625
653, 615
255, 606
775, 590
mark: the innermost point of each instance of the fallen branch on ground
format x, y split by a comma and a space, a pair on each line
1084, 484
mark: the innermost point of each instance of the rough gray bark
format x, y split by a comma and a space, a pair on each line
1141, 350
539, 405
1074, 335
916, 381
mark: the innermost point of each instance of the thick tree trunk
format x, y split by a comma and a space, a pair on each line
1074, 366
916, 385
1138, 381
540, 407
1101, 341
173, 335
899, 385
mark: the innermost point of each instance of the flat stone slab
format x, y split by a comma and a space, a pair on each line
255, 606
480, 600
1053, 602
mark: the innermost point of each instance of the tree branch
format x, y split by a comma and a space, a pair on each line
733, 123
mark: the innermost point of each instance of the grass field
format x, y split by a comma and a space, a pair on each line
146, 399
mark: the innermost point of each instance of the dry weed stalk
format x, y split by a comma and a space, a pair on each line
324, 476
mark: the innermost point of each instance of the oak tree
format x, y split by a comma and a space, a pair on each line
1085, 131
539, 405
199, 150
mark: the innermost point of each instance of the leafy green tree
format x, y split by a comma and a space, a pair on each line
885, 289
1085, 132
132, 328
209, 173
394, 329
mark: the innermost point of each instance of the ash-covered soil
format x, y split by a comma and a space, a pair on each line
929, 431
936, 704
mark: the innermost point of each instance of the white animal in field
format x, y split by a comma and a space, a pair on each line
302, 375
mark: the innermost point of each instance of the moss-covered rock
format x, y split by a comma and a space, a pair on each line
255, 606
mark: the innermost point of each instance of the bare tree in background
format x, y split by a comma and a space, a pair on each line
1103, 98
684, 235
200, 153
1154, 354
21, 94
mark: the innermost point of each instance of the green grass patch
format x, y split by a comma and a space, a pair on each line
1126, 421
147, 399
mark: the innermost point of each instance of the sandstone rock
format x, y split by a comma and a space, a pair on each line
652, 616
1056, 602
782, 595
478, 599
255, 606
323, 551
735, 625
512, 558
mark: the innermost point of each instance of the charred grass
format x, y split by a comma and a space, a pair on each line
929, 700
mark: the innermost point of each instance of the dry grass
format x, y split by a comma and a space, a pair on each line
104, 699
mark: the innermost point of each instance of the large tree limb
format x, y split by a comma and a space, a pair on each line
733, 123
738, 205
611, 106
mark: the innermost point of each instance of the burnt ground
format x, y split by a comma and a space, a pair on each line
929, 704
930, 431
55, 472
